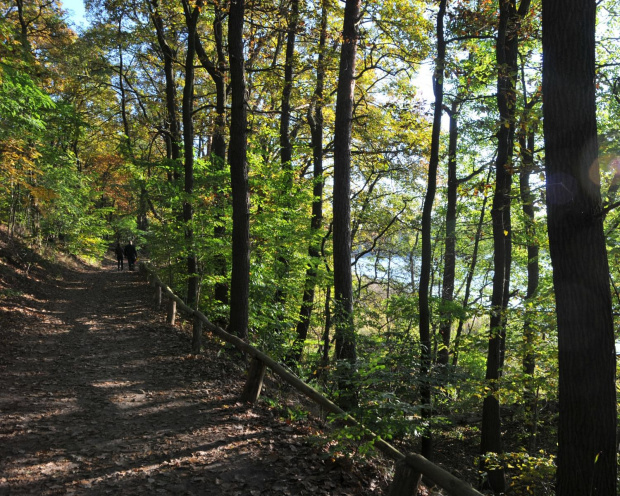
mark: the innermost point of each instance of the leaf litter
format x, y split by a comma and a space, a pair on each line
98, 395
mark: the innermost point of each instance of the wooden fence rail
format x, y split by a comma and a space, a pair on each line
409, 468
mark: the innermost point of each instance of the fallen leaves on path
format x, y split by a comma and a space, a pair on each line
100, 396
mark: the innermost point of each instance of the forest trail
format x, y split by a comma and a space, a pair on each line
98, 395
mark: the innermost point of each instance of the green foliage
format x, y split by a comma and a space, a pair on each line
70, 212
528, 474
288, 413
22, 103
350, 441
125, 228
165, 242
295, 413
385, 383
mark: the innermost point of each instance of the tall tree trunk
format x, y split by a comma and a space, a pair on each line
328, 323
240, 276
427, 210
447, 292
587, 363
526, 143
23, 32
191, 19
218, 149
217, 70
174, 138
343, 284
286, 156
315, 121
286, 148
506, 56
126, 141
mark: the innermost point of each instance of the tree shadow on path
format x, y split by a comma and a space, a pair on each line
99, 396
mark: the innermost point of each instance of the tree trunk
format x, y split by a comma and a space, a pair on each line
343, 287
427, 210
240, 276
218, 148
506, 56
191, 19
286, 156
315, 121
587, 395
126, 141
470, 274
23, 33
286, 148
174, 138
218, 144
343, 284
447, 293
526, 143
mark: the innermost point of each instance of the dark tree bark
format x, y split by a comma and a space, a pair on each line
173, 136
529, 357
343, 285
327, 328
506, 56
587, 396
315, 121
447, 291
23, 32
240, 276
218, 150
526, 144
126, 141
218, 144
286, 148
326, 341
191, 19
286, 157
427, 254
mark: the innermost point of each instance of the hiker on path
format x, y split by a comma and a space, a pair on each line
119, 255
131, 254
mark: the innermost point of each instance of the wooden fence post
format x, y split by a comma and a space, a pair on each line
254, 384
406, 480
197, 335
158, 295
172, 311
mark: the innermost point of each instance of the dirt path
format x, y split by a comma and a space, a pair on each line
99, 396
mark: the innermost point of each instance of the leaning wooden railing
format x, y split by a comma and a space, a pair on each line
409, 468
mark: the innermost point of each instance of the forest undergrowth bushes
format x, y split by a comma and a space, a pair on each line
387, 384
388, 387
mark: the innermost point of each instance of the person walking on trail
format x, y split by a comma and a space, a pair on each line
119, 255
131, 254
